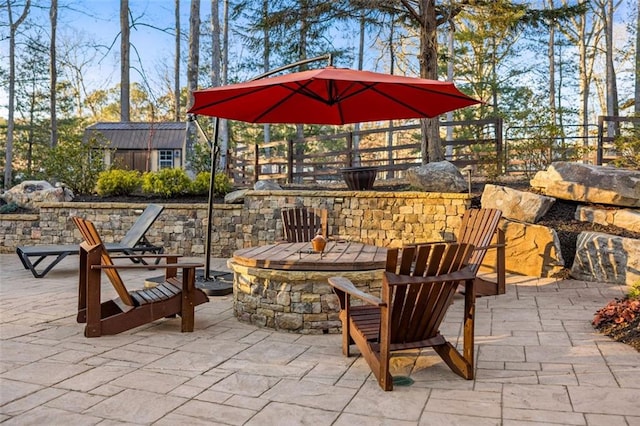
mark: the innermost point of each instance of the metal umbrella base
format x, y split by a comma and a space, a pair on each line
220, 283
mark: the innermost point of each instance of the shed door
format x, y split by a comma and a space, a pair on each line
132, 160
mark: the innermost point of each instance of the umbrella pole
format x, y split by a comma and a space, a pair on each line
207, 244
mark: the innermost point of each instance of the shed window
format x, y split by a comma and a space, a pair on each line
165, 159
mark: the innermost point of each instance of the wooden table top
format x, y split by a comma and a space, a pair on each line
337, 256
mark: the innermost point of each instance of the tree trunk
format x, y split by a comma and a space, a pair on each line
637, 93
551, 55
430, 146
224, 124
53, 72
124, 61
13, 29
176, 65
216, 59
266, 65
192, 79
612, 89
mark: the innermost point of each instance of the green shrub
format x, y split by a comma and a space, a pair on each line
76, 164
222, 184
628, 148
200, 184
166, 182
118, 182
634, 291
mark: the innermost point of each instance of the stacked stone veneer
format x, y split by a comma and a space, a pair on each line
180, 228
373, 217
293, 301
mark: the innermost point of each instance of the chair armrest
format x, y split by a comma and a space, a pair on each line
490, 246
461, 275
345, 285
147, 267
145, 256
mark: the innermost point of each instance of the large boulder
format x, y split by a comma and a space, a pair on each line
590, 184
439, 176
532, 250
235, 197
622, 218
30, 192
266, 185
517, 205
607, 258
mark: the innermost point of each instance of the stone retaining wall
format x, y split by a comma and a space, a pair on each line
384, 219
372, 217
180, 228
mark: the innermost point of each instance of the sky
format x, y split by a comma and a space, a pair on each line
99, 20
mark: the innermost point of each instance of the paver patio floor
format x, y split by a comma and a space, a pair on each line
539, 361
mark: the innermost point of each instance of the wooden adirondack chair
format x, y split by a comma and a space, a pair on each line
174, 296
301, 224
479, 227
417, 289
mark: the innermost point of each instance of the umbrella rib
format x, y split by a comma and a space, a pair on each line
277, 104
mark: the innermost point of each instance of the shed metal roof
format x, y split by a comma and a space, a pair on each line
136, 136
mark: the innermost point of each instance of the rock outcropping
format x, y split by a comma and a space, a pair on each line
586, 183
30, 192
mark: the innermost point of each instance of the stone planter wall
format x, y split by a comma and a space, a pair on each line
180, 228
372, 217
384, 219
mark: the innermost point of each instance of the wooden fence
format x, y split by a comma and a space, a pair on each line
392, 150
481, 144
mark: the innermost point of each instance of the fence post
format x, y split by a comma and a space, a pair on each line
350, 149
289, 160
599, 148
256, 163
499, 147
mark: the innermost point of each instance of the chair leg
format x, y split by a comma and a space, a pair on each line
188, 308
462, 364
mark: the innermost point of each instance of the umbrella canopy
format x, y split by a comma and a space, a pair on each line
330, 96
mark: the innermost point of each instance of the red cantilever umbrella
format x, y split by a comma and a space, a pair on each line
326, 96
330, 96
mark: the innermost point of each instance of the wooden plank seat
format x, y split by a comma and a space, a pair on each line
177, 295
134, 241
301, 224
417, 289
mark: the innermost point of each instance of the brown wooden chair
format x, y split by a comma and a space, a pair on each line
174, 296
417, 289
301, 224
480, 227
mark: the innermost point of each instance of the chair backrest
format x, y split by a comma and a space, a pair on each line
141, 225
92, 237
301, 224
478, 228
417, 309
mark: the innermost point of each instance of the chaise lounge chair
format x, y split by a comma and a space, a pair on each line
174, 296
133, 242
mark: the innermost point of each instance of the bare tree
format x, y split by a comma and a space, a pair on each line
53, 68
193, 65
176, 68
13, 30
583, 31
637, 92
124, 61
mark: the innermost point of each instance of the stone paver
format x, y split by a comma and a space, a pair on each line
539, 362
